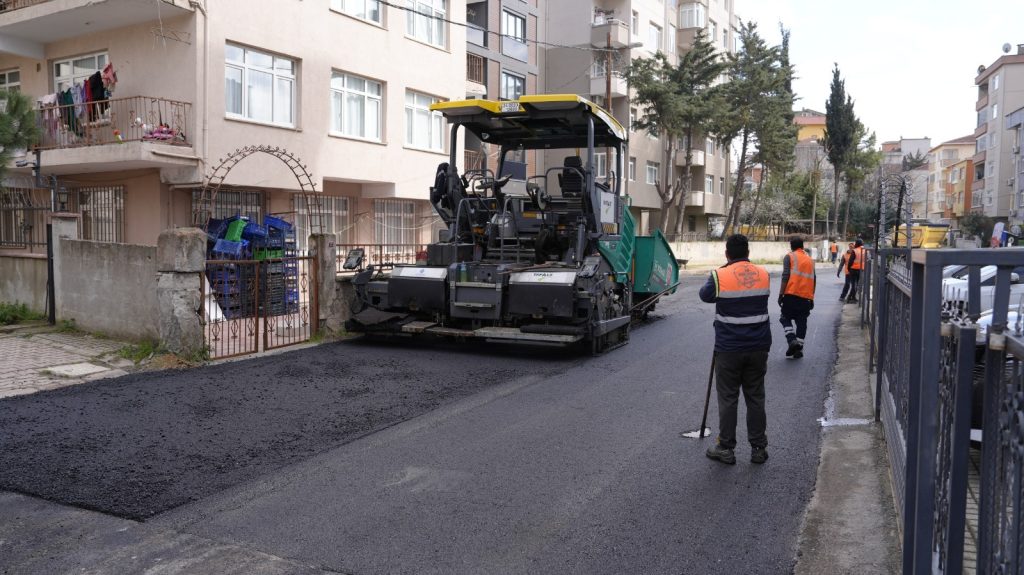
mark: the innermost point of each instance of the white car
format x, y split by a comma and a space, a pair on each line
954, 289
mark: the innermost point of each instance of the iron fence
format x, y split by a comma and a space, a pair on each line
378, 255
115, 121
256, 305
936, 357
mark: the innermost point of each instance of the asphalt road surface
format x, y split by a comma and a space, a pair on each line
372, 458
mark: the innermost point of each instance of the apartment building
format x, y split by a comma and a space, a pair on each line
503, 62
1015, 125
1000, 91
330, 81
941, 160
635, 29
961, 175
894, 154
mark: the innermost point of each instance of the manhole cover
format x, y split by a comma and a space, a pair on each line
76, 370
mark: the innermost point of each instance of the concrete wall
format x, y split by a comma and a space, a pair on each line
23, 279
108, 288
704, 253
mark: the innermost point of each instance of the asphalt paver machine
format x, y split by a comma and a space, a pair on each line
551, 258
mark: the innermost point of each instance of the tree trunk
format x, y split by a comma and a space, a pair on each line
835, 202
757, 197
846, 215
684, 190
670, 189
814, 204
734, 209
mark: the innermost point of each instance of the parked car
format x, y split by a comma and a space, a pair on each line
954, 288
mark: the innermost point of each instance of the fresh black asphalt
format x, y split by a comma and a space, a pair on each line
373, 458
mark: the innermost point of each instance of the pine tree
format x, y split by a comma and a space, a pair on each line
840, 134
18, 130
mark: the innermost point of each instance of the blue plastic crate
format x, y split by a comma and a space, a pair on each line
276, 223
254, 231
216, 228
230, 249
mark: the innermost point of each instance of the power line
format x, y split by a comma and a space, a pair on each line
491, 32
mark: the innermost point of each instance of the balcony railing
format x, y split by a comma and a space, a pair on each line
115, 121
472, 160
515, 49
8, 5
476, 68
475, 35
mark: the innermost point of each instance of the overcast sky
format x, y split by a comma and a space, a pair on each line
909, 64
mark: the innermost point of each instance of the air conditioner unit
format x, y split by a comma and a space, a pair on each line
1016, 149
1010, 182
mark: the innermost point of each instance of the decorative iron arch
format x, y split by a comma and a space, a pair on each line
203, 210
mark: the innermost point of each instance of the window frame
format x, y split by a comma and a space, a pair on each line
338, 219
634, 24
428, 9
7, 84
632, 168
652, 167
693, 15
435, 120
404, 211
341, 114
276, 75
652, 31
505, 74
74, 78
340, 6
508, 16
670, 47
709, 184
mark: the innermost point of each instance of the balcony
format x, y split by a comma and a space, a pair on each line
981, 103
120, 133
476, 35
614, 32
599, 84
476, 75
515, 49
26, 26
696, 161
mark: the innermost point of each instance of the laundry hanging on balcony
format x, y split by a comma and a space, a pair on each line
68, 114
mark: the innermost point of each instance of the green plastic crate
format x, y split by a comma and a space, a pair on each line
234, 233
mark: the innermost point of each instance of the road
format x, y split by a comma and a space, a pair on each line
485, 462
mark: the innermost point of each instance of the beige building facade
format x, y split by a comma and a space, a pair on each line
330, 81
941, 176
1000, 92
639, 29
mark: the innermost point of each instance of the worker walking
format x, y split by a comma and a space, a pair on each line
796, 296
833, 249
743, 338
854, 263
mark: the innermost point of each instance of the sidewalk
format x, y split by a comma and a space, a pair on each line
36, 357
850, 526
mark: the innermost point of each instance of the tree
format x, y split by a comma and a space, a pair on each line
863, 159
679, 103
840, 135
751, 95
976, 225
913, 161
18, 130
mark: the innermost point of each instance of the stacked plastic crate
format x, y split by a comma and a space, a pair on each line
231, 283
279, 279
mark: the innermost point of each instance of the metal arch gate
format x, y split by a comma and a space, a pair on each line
252, 305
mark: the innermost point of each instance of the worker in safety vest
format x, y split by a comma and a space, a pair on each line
833, 249
796, 296
854, 263
844, 268
743, 338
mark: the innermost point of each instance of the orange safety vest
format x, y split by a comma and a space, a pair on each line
842, 263
743, 290
833, 248
801, 275
858, 263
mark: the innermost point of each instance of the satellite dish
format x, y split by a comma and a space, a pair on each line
1006, 48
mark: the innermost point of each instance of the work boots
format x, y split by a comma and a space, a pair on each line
722, 454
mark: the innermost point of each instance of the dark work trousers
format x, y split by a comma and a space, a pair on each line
735, 371
850, 287
793, 317
833, 260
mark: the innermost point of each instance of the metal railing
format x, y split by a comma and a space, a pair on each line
380, 255
476, 68
934, 360
8, 5
115, 121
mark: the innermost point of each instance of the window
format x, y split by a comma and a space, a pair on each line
995, 82
102, 211
423, 128
735, 38
725, 38
654, 37
355, 106
230, 202
512, 86
425, 21
721, 185
601, 163
632, 119
634, 23
67, 73
709, 184
337, 220
513, 25
980, 144
394, 223
10, 81
259, 86
709, 146
712, 31
362, 9
995, 111
693, 15
652, 172
671, 47
691, 224
632, 169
